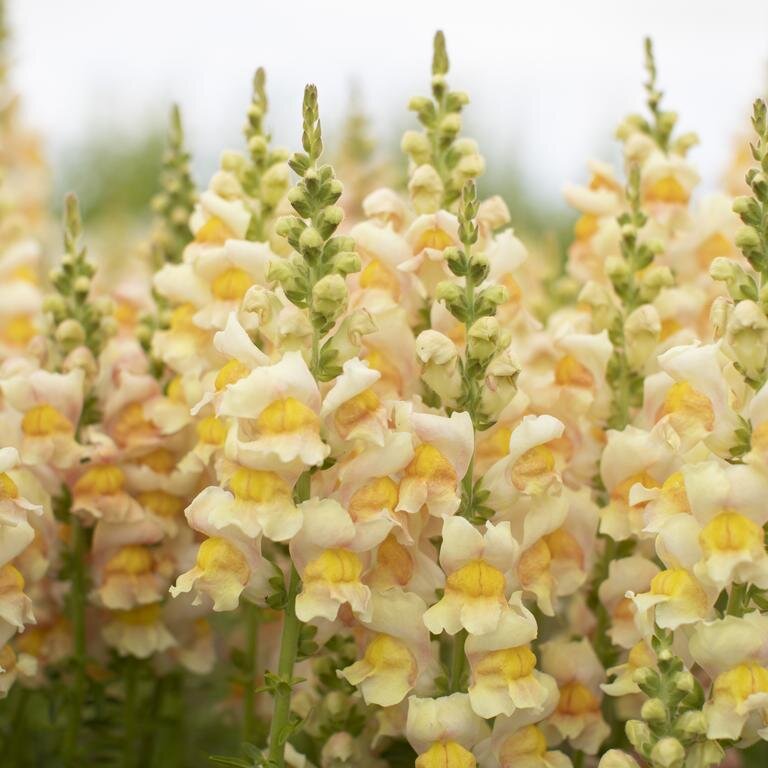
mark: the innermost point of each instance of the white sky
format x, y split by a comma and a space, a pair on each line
549, 79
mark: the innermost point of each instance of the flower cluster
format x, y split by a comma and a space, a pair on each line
341, 486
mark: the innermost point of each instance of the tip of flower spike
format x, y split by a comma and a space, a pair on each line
176, 130
72, 219
311, 139
440, 61
259, 84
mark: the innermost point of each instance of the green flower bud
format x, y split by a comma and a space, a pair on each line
456, 260
82, 285
479, 266
346, 262
329, 220
483, 339
653, 709
70, 332
747, 238
685, 681
451, 124
449, 292
416, 145
668, 753
54, 304
426, 189
329, 297
310, 241
274, 182
692, 723
638, 733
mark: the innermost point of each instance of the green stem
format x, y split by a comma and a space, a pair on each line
251, 658
736, 600
288, 647
77, 617
130, 712
289, 644
458, 659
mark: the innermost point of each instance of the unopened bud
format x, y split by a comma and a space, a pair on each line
668, 753
653, 709
417, 146
329, 296
70, 332
426, 189
483, 338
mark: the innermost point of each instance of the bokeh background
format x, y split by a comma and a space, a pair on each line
549, 80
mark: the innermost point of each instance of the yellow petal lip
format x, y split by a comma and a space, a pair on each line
477, 579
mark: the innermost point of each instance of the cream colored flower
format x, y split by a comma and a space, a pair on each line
478, 570
443, 731
577, 717
331, 560
138, 632
440, 461
504, 678
398, 657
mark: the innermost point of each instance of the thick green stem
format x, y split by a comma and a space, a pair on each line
251, 658
77, 617
288, 648
458, 659
289, 644
130, 712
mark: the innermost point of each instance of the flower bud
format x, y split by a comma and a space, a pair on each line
440, 365
719, 314
346, 342
615, 758
274, 183
616, 268
329, 296
310, 241
54, 304
483, 339
638, 733
747, 335
747, 238
653, 709
416, 145
668, 753
82, 358
642, 330
426, 189
82, 285
70, 332
500, 385
693, 723
685, 681
451, 124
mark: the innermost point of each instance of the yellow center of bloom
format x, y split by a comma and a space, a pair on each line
211, 430
446, 754
741, 682
44, 421
534, 562
7, 659
621, 491
731, 532
601, 181
393, 557
527, 741
532, 466
675, 582
101, 480
510, 663
218, 556
674, 494
132, 560
143, 616
181, 320
666, 190
258, 485
434, 238
494, 447
161, 460
161, 503
563, 545
641, 656
386, 654
25, 273
231, 285
691, 407
18, 330
175, 391
715, 245
350, 413
429, 464
576, 699
377, 275
585, 226
286, 416
132, 423
337, 566
8, 489
477, 579
624, 610
669, 326
390, 373
570, 372
11, 579
377, 494
229, 373
760, 438
125, 313
214, 232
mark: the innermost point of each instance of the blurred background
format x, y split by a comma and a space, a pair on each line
549, 81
